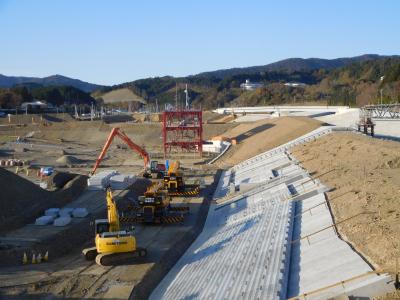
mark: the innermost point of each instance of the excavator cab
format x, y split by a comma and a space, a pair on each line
156, 170
153, 204
173, 180
101, 225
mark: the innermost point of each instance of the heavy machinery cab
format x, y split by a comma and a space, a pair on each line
153, 203
174, 183
173, 180
156, 170
160, 200
102, 225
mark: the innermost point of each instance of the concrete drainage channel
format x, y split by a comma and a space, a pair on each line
230, 258
152, 278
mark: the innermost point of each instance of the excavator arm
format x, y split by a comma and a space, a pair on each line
126, 140
112, 212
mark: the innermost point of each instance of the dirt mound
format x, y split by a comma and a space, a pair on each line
257, 137
209, 116
68, 160
224, 119
22, 201
58, 180
364, 175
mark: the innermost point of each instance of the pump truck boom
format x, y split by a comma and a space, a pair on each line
112, 245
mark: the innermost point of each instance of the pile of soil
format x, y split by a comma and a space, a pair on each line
364, 174
23, 201
209, 116
58, 180
225, 119
68, 160
255, 138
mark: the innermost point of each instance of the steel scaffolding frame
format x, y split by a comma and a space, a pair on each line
183, 131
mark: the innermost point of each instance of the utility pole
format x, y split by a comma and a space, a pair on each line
187, 104
156, 105
176, 96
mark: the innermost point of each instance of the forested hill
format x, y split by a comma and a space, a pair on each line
54, 80
293, 65
355, 82
56, 95
351, 81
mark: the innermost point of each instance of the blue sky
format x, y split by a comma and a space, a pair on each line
110, 42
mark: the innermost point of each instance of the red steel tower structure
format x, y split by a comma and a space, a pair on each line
183, 131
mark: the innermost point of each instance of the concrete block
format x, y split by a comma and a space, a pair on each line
44, 220
101, 180
53, 212
80, 212
66, 212
62, 221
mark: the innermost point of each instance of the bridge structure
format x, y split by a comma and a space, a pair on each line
382, 111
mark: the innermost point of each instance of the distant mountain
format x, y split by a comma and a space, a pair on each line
54, 80
292, 65
341, 81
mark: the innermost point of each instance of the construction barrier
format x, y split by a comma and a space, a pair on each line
179, 209
191, 193
164, 219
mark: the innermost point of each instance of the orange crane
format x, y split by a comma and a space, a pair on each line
118, 132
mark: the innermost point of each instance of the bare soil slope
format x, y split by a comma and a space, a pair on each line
21, 201
365, 175
255, 138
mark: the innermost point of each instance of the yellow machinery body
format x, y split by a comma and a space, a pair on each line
111, 243
173, 180
154, 203
108, 242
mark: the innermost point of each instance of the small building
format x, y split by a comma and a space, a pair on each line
251, 86
295, 84
34, 105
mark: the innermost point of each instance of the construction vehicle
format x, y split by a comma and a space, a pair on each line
175, 185
150, 167
155, 207
173, 180
156, 170
113, 245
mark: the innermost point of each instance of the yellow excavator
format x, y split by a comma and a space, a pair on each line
173, 180
113, 245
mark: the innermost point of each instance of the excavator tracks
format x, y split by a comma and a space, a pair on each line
90, 253
158, 220
189, 193
111, 259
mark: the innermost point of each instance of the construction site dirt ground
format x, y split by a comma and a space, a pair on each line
71, 276
73, 146
364, 176
257, 137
